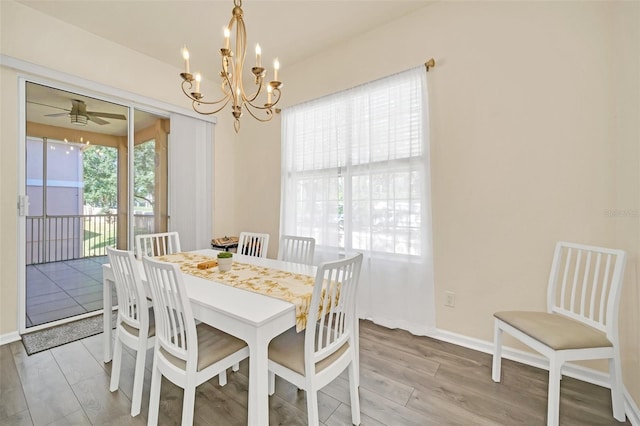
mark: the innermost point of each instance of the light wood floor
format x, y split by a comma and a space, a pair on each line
405, 380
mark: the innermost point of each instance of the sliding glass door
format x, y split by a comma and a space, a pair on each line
150, 172
96, 174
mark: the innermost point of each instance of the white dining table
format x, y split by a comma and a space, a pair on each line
252, 317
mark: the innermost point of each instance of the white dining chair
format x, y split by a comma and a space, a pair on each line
186, 354
159, 244
135, 327
581, 321
253, 244
314, 358
296, 249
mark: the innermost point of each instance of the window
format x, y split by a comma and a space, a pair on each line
355, 177
354, 167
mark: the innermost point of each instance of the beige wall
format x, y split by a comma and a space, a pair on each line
534, 138
8, 199
534, 134
258, 176
626, 133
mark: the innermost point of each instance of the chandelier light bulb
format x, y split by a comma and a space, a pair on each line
227, 35
185, 56
198, 80
276, 67
258, 54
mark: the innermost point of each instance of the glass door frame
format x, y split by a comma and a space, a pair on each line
23, 200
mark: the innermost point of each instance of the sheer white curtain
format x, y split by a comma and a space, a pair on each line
355, 176
191, 181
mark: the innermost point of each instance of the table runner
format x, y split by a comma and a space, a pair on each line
287, 286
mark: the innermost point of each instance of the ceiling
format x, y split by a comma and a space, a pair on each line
291, 30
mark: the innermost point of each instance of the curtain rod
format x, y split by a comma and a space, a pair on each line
430, 64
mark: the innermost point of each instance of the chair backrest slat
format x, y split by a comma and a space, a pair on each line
585, 284
592, 292
332, 315
297, 249
253, 244
594, 287
605, 289
175, 326
160, 244
574, 285
564, 275
132, 302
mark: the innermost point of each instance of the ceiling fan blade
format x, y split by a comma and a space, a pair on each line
96, 120
50, 106
107, 115
60, 114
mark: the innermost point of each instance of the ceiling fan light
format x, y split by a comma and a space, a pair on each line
78, 120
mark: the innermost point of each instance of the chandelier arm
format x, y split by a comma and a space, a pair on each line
276, 92
255, 95
263, 107
266, 106
199, 100
241, 51
184, 82
268, 112
195, 107
225, 76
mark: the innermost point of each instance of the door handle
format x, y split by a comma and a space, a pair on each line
23, 205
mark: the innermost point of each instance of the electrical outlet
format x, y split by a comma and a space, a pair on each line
449, 299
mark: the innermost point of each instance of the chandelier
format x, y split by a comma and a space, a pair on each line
231, 73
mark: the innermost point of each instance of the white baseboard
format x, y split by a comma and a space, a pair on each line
579, 372
9, 337
631, 409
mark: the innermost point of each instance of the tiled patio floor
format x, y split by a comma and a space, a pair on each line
64, 289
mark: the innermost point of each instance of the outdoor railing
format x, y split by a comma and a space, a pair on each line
67, 237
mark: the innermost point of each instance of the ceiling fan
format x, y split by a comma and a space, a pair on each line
79, 114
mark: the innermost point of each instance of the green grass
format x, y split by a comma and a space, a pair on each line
99, 233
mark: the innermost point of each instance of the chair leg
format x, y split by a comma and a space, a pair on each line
222, 378
115, 365
497, 352
356, 338
312, 406
617, 396
138, 378
272, 383
354, 394
553, 404
235, 367
154, 395
189, 402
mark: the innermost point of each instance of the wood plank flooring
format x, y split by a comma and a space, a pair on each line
405, 380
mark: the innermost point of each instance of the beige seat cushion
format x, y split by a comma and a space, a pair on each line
213, 345
135, 331
556, 331
287, 350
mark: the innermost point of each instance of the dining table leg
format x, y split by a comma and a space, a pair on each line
258, 382
107, 306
